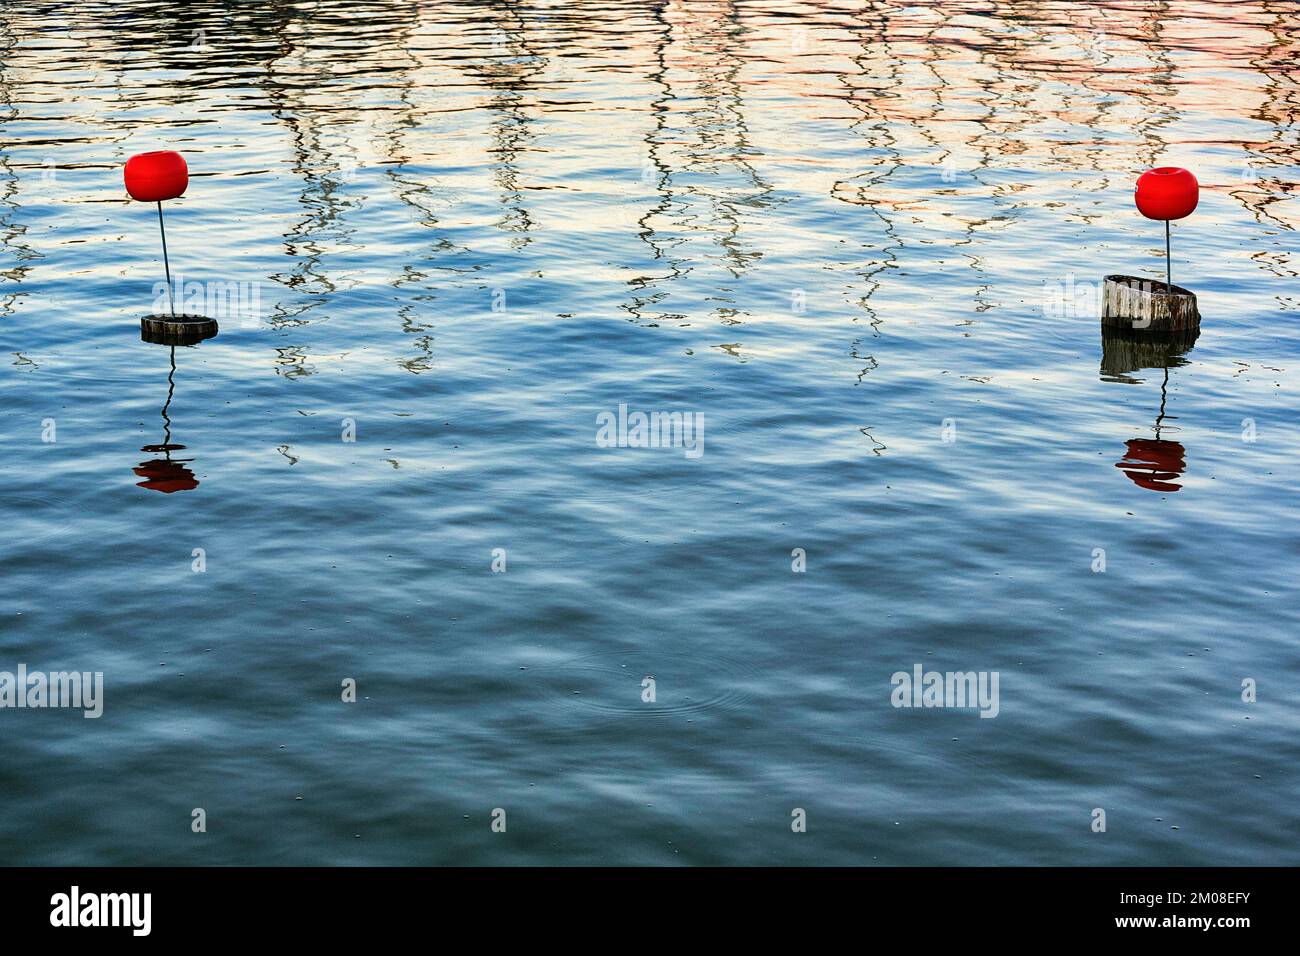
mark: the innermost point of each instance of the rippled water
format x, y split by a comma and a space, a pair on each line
845, 234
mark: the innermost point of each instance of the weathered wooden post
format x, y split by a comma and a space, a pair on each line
176, 329
1164, 193
1130, 302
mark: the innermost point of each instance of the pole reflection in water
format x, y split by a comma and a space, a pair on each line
166, 474
1153, 463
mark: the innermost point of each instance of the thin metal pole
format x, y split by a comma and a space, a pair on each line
1169, 281
163, 232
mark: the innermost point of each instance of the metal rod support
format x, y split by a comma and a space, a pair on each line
1169, 272
171, 303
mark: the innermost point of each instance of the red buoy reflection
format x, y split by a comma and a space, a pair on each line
168, 475
1154, 463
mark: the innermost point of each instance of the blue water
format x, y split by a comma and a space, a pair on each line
832, 230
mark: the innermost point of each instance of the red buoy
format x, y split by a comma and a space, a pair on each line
1166, 192
153, 177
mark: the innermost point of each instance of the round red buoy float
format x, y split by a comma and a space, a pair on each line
1166, 192
153, 177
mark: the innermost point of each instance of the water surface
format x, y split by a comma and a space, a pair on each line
863, 240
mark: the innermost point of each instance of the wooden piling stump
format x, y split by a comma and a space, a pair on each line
177, 329
1148, 305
